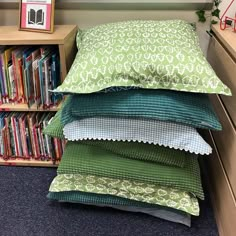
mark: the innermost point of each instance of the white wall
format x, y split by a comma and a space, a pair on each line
223, 6
88, 18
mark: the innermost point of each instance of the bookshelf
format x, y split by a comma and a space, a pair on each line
64, 39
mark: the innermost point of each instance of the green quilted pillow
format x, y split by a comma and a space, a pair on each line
91, 160
145, 54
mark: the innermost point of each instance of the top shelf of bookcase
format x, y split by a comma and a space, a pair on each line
10, 35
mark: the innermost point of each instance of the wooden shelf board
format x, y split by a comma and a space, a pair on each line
24, 107
10, 35
18, 162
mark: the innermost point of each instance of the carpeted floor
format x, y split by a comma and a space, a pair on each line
25, 211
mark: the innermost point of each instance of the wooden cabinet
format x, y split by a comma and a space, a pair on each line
221, 165
64, 39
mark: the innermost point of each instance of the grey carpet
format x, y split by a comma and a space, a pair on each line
25, 210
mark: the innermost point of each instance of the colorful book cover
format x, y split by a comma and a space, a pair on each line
18, 136
10, 151
4, 78
36, 140
15, 141
37, 92
15, 54
42, 79
47, 62
21, 88
31, 121
5, 143
23, 135
27, 135
46, 140
8, 62
13, 85
2, 115
56, 77
29, 80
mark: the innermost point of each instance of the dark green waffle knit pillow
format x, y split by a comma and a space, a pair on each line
162, 212
54, 127
165, 105
90, 160
97, 199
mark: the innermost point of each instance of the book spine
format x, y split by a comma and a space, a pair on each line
8, 149
18, 137
36, 142
23, 137
31, 135
5, 95
28, 139
21, 80
15, 77
13, 126
1, 82
12, 83
5, 153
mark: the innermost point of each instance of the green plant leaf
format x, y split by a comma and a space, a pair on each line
217, 3
213, 22
216, 13
201, 15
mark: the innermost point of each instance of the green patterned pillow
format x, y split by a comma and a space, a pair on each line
145, 54
140, 192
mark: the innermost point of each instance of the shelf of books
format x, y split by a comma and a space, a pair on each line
32, 65
22, 141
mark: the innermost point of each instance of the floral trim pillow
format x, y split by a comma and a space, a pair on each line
144, 54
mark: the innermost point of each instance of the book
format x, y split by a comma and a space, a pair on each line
4, 78
27, 135
36, 82
15, 141
29, 80
15, 54
56, 77
13, 85
17, 67
47, 67
21, 88
2, 115
23, 135
9, 151
18, 136
8, 62
31, 121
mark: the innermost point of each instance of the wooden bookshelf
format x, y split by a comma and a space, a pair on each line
19, 162
24, 107
64, 38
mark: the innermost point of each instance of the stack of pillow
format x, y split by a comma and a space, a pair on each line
138, 91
